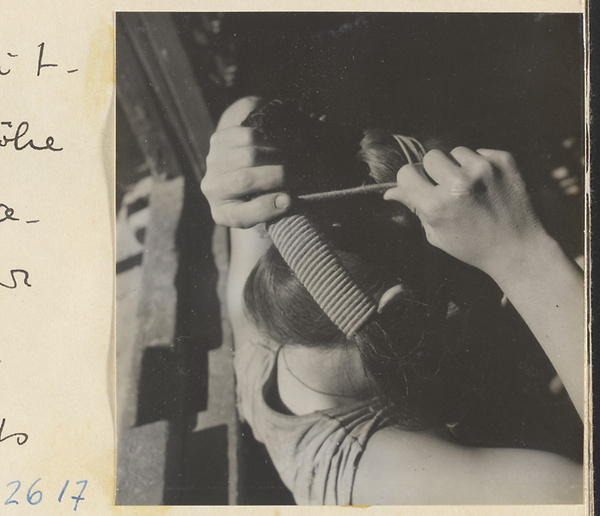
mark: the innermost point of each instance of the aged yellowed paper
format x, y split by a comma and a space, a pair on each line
57, 264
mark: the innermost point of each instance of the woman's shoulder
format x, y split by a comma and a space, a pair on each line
315, 453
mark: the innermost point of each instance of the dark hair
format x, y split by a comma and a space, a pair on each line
445, 356
406, 349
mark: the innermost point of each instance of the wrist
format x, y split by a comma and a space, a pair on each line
528, 257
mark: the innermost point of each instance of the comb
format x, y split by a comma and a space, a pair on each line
307, 253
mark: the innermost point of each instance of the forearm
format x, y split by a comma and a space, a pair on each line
546, 287
400, 467
247, 246
475, 207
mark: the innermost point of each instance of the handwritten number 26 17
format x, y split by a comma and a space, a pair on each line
35, 496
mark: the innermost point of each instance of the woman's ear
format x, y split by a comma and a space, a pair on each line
390, 298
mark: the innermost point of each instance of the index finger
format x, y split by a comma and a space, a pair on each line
414, 190
442, 169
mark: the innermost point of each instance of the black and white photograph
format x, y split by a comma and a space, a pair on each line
350, 258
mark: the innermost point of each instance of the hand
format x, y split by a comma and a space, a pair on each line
478, 211
245, 180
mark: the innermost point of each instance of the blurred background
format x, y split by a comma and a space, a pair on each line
507, 81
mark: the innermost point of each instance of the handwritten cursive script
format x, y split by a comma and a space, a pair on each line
19, 141
14, 279
9, 214
21, 437
12, 59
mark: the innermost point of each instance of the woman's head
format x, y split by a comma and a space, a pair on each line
381, 246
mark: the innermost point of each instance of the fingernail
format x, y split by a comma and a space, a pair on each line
282, 201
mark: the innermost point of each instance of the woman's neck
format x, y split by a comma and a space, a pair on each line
312, 379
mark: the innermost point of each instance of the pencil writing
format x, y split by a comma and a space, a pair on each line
13, 275
8, 214
9, 59
17, 138
21, 437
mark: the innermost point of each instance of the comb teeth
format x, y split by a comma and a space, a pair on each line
318, 268
413, 149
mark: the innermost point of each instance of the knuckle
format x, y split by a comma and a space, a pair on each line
210, 158
215, 161
505, 159
207, 185
482, 169
459, 184
243, 180
215, 138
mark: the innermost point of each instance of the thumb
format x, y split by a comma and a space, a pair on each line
413, 188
